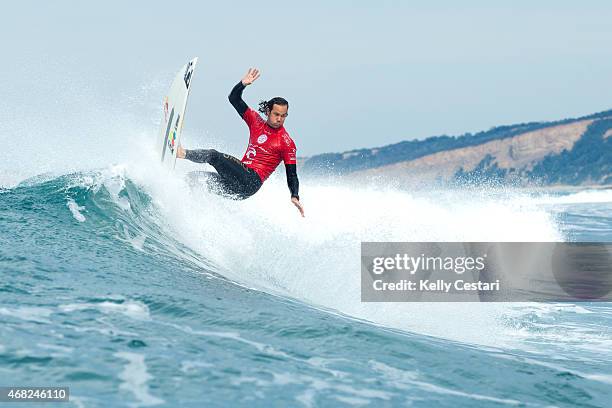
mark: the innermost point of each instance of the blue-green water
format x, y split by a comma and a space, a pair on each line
135, 291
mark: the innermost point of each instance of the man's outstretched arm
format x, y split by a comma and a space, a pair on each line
292, 180
294, 186
235, 97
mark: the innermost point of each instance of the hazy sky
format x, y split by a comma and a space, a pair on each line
356, 74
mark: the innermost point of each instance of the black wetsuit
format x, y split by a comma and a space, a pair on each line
233, 178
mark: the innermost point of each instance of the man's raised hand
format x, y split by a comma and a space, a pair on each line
250, 76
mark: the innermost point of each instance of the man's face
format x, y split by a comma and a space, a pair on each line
277, 115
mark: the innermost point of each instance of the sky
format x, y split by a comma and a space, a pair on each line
356, 73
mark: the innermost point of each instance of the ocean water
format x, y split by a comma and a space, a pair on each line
132, 289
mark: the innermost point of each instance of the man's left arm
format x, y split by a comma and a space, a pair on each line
294, 186
292, 180
289, 157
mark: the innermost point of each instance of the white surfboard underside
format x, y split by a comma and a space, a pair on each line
174, 105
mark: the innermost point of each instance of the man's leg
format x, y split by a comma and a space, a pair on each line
227, 166
200, 155
236, 177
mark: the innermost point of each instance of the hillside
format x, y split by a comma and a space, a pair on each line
570, 151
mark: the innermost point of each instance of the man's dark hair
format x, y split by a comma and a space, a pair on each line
266, 106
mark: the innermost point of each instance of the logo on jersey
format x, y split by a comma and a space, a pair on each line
262, 139
251, 153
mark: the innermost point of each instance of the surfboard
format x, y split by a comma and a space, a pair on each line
174, 104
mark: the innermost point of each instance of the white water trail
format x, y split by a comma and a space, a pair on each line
263, 243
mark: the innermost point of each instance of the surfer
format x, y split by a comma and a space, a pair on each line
269, 143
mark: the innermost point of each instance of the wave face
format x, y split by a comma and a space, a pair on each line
135, 289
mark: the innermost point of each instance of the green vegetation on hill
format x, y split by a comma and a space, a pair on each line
588, 162
409, 150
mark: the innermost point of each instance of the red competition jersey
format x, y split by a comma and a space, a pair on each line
267, 146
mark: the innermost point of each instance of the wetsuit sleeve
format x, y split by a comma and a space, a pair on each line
235, 98
247, 114
200, 156
292, 180
289, 157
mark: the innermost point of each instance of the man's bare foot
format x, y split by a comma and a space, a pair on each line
180, 152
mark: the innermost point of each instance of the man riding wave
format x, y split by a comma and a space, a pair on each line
269, 144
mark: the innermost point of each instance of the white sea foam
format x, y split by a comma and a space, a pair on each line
354, 401
409, 380
134, 309
600, 377
264, 244
137, 241
29, 313
579, 197
76, 209
541, 327
193, 366
135, 377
